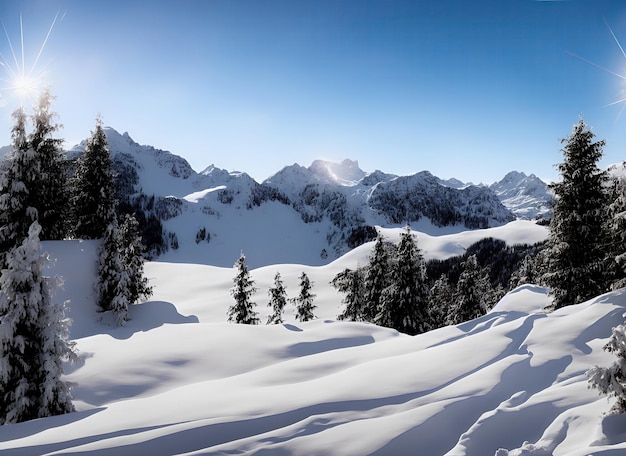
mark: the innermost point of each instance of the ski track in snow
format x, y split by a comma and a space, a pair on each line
178, 379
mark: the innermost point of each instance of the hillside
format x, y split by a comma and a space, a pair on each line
179, 380
310, 215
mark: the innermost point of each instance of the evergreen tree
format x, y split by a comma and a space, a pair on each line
576, 240
304, 301
20, 171
405, 301
50, 194
352, 284
469, 301
611, 381
94, 190
33, 338
113, 286
132, 258
376, 279
440, 299
278, 301
243, 310
615, 261
525, 274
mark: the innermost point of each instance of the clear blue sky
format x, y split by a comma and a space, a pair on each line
465, 89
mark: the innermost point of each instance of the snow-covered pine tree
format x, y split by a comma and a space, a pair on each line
304, 300
351, 282
51, 192
405, 302
278, 301
33, 338
525, 274
242, 311
132, 258
611, 381
20, 170
113, 287
439, 301
94, 190
576, 241
615, 262
469, 300
376, 279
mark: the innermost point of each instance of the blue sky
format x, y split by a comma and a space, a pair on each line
465, 89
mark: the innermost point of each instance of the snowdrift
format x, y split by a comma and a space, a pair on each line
179, 380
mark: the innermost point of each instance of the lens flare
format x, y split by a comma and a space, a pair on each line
25, 82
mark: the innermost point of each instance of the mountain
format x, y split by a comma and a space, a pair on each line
178, 379
322, 210
528, 197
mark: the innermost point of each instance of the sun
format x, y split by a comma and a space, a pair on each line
25, 82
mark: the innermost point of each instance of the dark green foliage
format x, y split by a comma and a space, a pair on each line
242, 311
351, 283
469, 301
132, 258
360, 235
577, 232
278, 300
377, 278
404, 303
94, 191
440, 299
615, 258
51, 193
304, 300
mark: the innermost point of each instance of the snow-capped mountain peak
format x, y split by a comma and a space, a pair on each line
346, 173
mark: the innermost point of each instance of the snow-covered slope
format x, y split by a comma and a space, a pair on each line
179, 380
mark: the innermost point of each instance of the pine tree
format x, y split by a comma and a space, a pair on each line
50, 194
472, 288
376, 279
20, 171
611, 381
132, 259
575, 243
278, 301
440, 299
615, 261
352, 284
243, 310
113, 287
525, 274
405, 301
33, 338
304, 301
94, 190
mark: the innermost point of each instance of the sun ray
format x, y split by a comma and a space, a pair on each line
43, 45
621, 76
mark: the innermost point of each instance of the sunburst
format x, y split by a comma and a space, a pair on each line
622, 76
24, 80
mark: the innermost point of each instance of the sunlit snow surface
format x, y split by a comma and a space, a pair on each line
178, 379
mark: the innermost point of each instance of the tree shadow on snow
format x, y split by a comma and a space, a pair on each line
144, 317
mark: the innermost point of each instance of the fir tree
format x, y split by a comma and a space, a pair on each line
278, 301
611, 381
351, 283
472, 288
304, 301
575, 243
405, 301
525, 274
615, 261
243, 310
133, 261
20, 172
440, 299
376, 279
94, 200
33, 338
50, 194
113, 286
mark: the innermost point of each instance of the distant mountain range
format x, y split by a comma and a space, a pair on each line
309, 215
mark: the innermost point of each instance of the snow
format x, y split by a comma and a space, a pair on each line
178, 379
